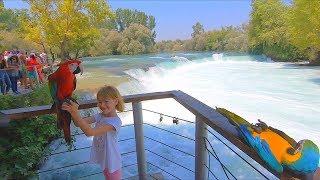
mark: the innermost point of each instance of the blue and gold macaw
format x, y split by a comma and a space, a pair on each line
276, 148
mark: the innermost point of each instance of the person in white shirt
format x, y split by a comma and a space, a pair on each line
105, 149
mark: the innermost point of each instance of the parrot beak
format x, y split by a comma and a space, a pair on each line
77, 70
81, 69
299, 146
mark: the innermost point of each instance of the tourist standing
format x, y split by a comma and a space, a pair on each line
13, 72
5, 83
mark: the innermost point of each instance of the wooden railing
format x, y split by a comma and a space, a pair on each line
205, 116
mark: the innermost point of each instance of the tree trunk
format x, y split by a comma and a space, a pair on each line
64, 54
316, 61
44, 48
77, 53
318, 58
52, 55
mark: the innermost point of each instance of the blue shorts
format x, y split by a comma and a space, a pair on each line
32, 74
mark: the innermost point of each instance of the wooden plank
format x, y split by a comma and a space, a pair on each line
148, 96
4, 120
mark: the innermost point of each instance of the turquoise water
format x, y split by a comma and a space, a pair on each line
283, 95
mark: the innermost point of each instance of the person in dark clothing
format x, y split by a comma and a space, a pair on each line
5, 83
13, 72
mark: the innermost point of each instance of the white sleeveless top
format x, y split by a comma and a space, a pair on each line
105, 149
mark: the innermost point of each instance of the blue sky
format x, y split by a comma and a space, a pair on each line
174, 19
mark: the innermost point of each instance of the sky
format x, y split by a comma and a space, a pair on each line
175, 18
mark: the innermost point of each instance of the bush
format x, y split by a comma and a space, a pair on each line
23, 142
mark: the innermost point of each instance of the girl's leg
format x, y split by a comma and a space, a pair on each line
112, 176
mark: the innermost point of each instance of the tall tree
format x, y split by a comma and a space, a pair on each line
136, 39
305, 27
126, 17
268, 30
267, 23
9, 18
107, 44
66, 28
197, 29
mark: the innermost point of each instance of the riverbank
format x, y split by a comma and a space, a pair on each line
94, 78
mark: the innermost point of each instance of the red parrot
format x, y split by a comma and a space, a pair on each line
62, 83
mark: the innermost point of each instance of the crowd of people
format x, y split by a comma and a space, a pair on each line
19, 69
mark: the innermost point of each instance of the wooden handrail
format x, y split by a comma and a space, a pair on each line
209, 115
20, 113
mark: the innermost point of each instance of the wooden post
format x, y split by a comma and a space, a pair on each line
201, 152
138, 132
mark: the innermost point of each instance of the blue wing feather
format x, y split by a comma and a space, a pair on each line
53, 90
262, 148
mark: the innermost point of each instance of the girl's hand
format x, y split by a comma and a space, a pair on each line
71, 108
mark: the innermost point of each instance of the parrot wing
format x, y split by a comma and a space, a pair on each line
262, 148
53, 88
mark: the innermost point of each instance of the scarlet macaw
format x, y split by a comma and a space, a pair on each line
62, 83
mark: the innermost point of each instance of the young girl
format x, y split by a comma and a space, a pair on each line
105, 149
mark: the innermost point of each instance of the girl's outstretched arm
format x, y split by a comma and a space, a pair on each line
72, 108
88, 120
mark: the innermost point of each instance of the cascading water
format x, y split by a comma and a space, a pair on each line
217, 56
180, 58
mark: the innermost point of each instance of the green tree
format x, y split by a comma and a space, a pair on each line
13, 40
66, 28
197, 29
170, 46
188, 45
9, 19
10, 36
126, 17
136, 39
107, 44
305, 27
237, 41
268, 30
200, 42
228, 38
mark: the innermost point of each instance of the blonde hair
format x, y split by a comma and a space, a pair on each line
112, 93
